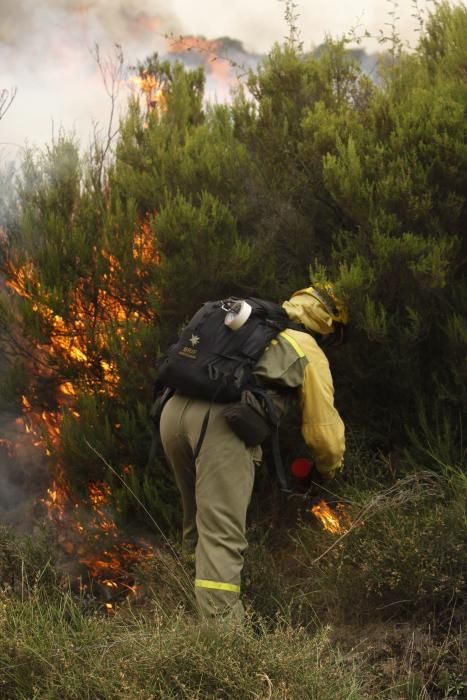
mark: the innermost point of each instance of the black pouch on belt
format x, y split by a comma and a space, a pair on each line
248, 420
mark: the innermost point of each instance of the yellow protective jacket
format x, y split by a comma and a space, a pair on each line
294, 359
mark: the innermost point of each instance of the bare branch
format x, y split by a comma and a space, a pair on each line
112, 74
6, 100
181, 43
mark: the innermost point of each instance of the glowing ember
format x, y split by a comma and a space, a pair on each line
333, 520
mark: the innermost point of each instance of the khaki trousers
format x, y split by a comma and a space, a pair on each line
216, 491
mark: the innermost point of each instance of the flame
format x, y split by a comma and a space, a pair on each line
154, 90
219, 66
333, 520
144, 248
187, 43
109, 566
67, 388
60, 503
86, 528
69, 338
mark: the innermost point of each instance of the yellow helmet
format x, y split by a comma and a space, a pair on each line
325, 293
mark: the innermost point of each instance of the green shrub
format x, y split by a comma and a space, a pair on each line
404, 558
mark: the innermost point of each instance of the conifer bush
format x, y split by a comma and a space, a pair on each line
401, 184
314, 170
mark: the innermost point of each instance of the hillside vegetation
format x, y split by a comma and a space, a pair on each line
314, 171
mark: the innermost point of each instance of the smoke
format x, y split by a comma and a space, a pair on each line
120, 21
24, 476
47, 52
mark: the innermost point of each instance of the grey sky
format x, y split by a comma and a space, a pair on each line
45, 47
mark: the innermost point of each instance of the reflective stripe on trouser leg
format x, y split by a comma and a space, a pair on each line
216, 585
224, 483
217, 598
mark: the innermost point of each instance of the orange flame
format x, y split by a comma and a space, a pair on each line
188, 43
82, 527
144, 244
80, 539
69, 338
154, 90
219, 66
336, 520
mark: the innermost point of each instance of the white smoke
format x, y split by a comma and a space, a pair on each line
27, 22
46, 49
47, 52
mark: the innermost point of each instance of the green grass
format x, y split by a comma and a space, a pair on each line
52, 647
53, 650
375, 613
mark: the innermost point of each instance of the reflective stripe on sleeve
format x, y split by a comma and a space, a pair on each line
216, 585
293, 343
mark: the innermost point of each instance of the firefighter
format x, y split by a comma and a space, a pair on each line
216, 486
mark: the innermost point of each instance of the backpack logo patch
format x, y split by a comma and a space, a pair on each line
190, 351
186, 351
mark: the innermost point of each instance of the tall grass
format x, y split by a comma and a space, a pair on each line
374, 613
50, 649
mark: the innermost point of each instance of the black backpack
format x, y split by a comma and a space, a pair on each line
213, 362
